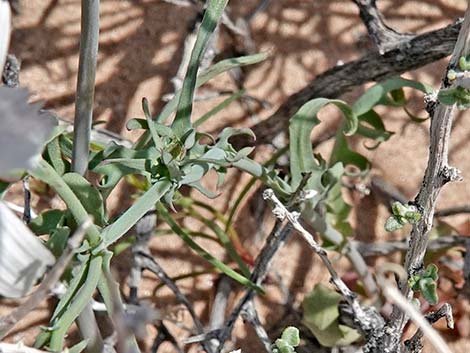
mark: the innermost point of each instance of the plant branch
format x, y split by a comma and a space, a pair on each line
274, 242
251, 315
437, 174
368, 321
386, 248
146, 261
384, 37
401, 302
411, 54
414, 345
85, 84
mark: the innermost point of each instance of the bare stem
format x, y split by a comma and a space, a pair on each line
89, 35
90, 26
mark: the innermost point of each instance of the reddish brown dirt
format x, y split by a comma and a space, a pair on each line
140, 50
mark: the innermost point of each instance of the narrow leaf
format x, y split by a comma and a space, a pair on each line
212, 15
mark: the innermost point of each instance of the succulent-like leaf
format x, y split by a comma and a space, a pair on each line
291, 336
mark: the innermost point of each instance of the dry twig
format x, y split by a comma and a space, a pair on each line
384, 37
411, 54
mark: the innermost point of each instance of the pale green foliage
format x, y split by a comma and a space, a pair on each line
289, 340
321, 316
402, 214
426, 284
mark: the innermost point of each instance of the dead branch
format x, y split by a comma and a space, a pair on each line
384, 37
368, 321
217, 316
411, 54
274, 242
414, 344
387, 248
250, 314
452, 211
149, 263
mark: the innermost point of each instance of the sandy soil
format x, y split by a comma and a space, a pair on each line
140, 50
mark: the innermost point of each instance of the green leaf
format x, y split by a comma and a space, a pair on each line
321, 317
321, 306
219, 107
283, 347
156, 138
378, 92
88, 195
47, 174
300, 129
393, 223
58, 240
77, 304
431, 272
47, 221
212, 15
428, 289
163, 212
342, 153
399, 209
136, 124
79, 347
372, 127
206, 75
55, 156
291, 336
116, 230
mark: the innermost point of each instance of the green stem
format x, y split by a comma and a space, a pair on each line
78, 304
90, 26
47, 174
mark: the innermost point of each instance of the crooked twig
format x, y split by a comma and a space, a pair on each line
414, 344
251, 315
384, 37
366, 320
386, 248
274, 242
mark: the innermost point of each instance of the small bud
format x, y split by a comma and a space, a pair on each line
451, 75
